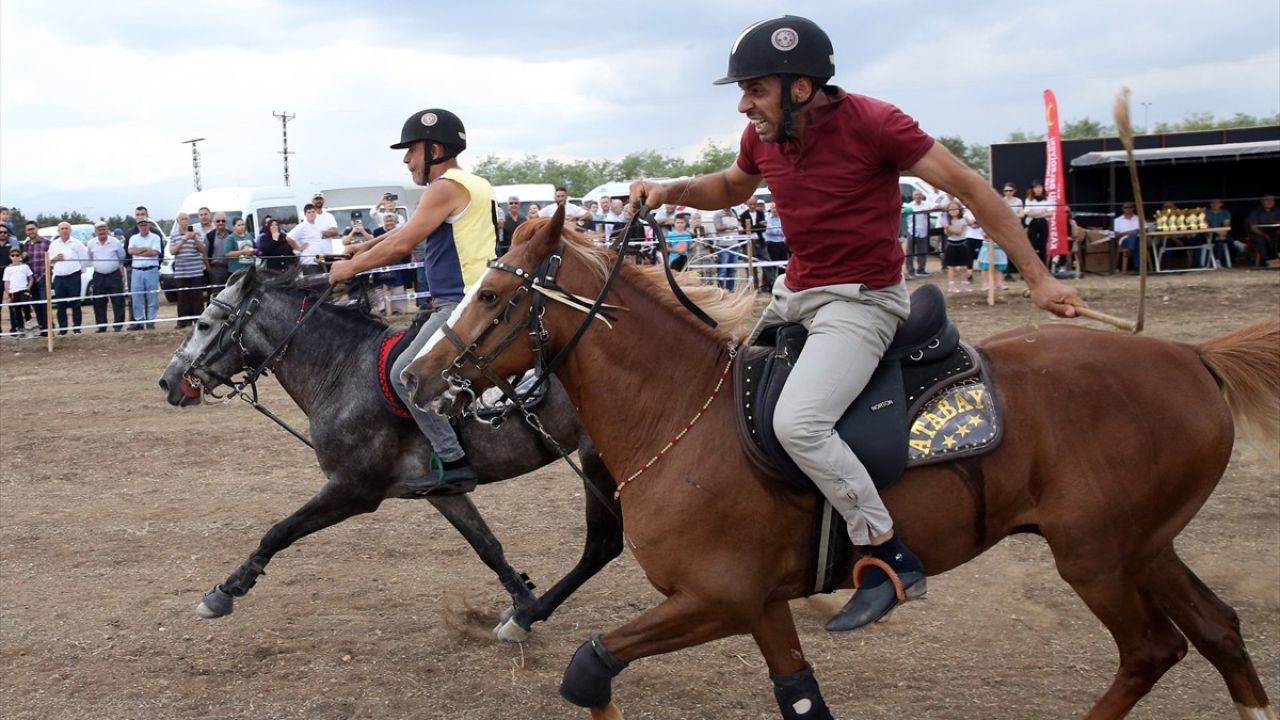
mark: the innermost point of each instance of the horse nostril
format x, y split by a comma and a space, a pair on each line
164, 385
410, 381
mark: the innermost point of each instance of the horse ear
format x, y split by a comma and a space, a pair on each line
549, 238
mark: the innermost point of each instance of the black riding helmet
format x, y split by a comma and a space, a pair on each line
788, 47
434, 125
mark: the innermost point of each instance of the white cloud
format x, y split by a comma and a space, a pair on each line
100, 96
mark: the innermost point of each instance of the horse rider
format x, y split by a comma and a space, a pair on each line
456, 215
832, 160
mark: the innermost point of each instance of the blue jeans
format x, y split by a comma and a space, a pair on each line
725, 275
1130, 243
144, 286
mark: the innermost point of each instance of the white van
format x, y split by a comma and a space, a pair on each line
251, 203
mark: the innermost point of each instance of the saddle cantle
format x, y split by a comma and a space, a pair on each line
928, 401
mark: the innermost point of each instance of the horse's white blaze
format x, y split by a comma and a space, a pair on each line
438, 335
1262, 713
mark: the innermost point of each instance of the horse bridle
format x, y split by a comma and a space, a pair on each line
229, 336
542, 283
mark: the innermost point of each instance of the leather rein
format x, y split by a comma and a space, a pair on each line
542, 284
230, 337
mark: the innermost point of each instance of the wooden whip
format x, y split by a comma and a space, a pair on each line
1125, 130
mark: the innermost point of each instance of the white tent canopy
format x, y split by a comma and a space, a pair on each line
1190, 153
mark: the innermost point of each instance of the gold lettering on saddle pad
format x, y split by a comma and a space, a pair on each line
960, 420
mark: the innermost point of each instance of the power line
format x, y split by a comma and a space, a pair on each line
284, 132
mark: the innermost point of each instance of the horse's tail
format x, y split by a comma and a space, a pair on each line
1246, 364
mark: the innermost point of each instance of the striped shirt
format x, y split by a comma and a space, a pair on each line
188, 260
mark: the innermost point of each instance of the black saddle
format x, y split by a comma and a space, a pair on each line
893, 422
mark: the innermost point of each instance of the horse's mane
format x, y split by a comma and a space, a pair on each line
287, 281
735, 311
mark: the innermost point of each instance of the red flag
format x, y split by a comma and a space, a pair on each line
1055, 186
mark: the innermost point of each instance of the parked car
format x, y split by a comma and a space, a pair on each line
251, 203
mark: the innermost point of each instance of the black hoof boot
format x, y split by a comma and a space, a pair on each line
799, 697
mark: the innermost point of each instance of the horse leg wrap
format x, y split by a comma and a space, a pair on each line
588, 681
799, 697
245, 576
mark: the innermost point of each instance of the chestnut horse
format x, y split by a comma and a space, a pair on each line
728, 548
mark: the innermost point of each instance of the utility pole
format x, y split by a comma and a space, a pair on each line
284, 132
1145, 128
195, 159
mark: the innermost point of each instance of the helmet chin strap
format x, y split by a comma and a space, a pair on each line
788, 130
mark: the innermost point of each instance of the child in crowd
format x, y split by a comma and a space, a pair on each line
18, 280
990, 251
678, 243
956, 256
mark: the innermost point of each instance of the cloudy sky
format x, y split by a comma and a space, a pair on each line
95, 99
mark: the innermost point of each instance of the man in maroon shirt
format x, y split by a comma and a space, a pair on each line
832, 161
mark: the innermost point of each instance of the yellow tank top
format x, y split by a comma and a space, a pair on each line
474, 229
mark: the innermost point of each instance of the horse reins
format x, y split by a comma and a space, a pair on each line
236, 319
542, 284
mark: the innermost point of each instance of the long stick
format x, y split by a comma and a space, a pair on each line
1108, 319
1125, 131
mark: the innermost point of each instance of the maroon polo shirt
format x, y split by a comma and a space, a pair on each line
838, 195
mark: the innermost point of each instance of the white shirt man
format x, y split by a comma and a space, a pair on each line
105, 251
571, 211
309, 237
70, 254
1125, 224
325, 220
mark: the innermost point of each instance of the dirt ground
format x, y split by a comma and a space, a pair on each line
117, 512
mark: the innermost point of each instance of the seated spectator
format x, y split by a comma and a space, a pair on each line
1264, 230
1217, 217
1126, 226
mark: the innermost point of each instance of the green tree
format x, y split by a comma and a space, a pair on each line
1085, 128
18, 219
976, 156
74, 217
1024, 136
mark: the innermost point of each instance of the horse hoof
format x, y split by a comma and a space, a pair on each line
508, 630
215, 604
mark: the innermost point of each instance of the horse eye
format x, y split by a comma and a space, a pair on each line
202, 326
488, 297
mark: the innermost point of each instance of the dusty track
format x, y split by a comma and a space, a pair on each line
119, 511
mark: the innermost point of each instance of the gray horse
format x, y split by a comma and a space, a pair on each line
329, 368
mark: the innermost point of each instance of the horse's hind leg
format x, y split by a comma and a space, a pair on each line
466, 519
603, 544
334, 503
1148, 642
1213, 627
